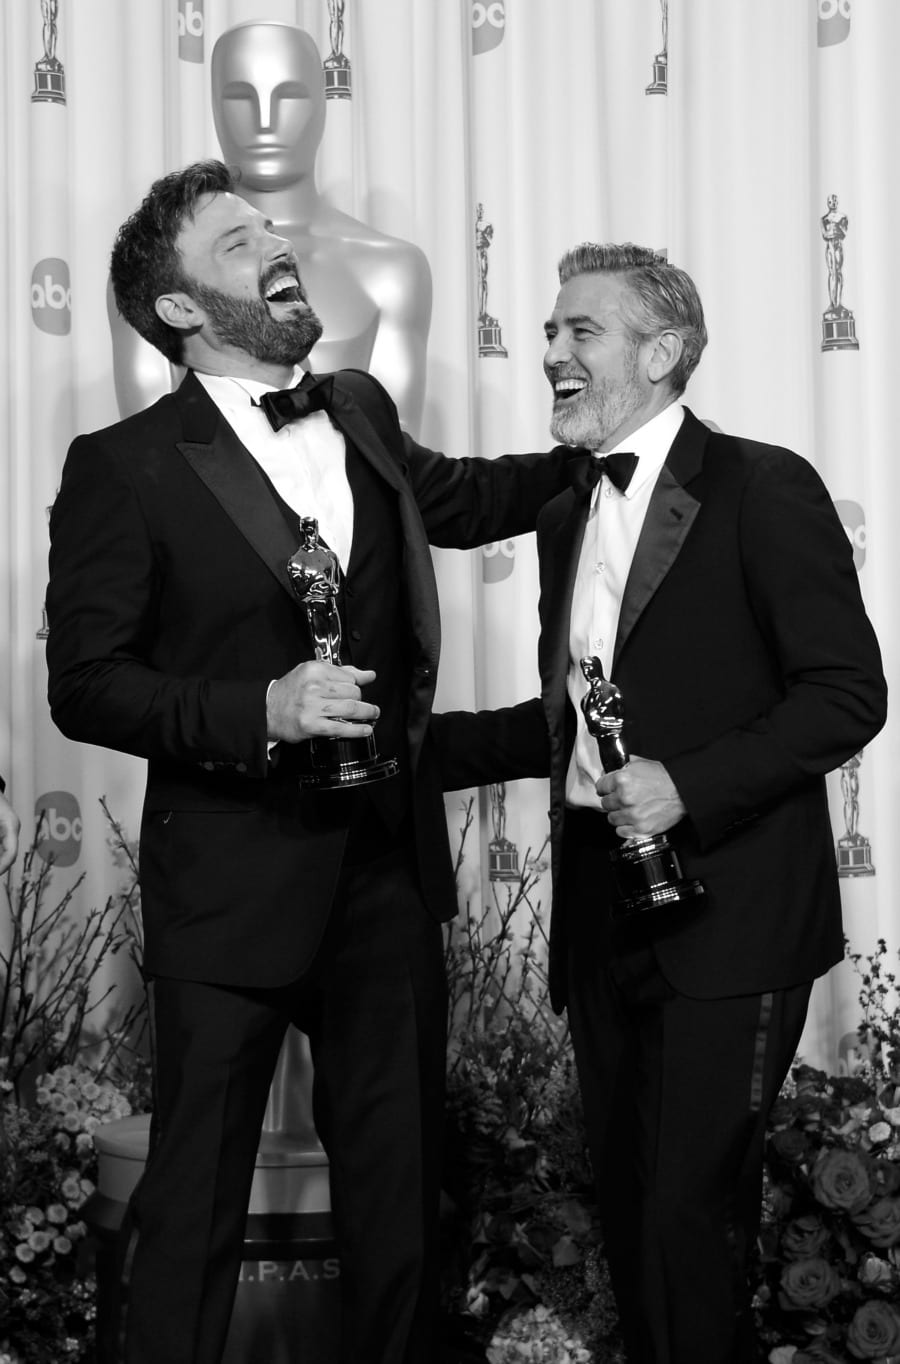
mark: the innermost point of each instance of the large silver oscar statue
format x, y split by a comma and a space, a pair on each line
372, 291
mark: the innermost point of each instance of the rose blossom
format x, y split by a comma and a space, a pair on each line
874, 1271
791, 1144
886, 1174
880, 1223
804, 1237
840, 1180
874, 1331
808, 1284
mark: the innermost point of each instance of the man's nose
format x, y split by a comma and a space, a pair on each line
277, 247
558, 351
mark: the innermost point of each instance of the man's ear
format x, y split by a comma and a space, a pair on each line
667, 351
179, 311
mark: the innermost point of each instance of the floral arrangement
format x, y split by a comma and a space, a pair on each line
525, 1278
828, 1275
46, 1295
61, 1076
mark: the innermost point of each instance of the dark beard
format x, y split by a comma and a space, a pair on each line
248, 325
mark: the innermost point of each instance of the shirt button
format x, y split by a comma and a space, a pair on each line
600, 567
597, 645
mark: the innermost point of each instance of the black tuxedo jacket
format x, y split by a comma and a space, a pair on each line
749, 668
170, 610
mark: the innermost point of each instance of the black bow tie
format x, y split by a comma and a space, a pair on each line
288, 404
619, 468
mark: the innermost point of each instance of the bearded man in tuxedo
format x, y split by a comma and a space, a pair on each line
176, 635
710, 577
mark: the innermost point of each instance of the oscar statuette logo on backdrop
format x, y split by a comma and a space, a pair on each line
191, 28
660, 83
838, 322
490, 339
854, 852
833, 25
488, 25
49, 73
503, 856
338, 79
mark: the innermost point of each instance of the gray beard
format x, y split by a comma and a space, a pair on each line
596, 414
248, 325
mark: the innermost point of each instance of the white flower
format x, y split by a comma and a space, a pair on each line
57, 1214
71, 1190
24, 1253
782, 1354
35, 1216
879, 1132
62, 1245
39, 1241
476, 1301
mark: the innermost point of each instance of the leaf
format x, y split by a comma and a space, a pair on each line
576, 1217
566, 1252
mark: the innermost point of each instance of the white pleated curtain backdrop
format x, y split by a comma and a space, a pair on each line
494, 135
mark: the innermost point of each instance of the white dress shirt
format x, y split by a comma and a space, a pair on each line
306, 460
607, 549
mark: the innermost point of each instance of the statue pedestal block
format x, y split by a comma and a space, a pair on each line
289, 1286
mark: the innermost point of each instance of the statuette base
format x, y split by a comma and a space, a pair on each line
337, 763
647, 876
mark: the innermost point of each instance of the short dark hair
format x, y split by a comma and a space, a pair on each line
146, 262
661, 298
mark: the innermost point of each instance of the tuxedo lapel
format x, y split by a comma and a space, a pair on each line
421, 586
559, 556
235, 480
670, 515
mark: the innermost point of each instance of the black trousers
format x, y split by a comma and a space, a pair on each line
374, 1008
676, 1095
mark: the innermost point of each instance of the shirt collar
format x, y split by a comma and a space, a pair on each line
227, 391
651, 443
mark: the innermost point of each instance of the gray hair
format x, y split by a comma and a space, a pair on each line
660, 297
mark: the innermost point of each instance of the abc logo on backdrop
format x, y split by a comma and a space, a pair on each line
497, 560
51, 296
853, 519
61, 829
488, 24
191, 27
833, 22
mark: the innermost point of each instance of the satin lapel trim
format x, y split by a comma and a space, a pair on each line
233, 477
421, 586
353, 422
670, 516
559, 589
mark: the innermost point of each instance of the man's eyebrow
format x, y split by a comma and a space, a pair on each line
229, 233
239, 228
576, 320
